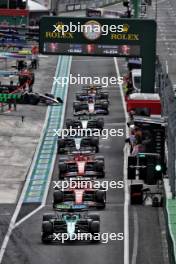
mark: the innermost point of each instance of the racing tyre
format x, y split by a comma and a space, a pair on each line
69, 123
105, 105
95, 143
95, 227
47, 229
94, 217
61, 176
101, 175
100, 197
62, 170
62, 167
100, 158
78, 97
105, 96
47, 217
99, 165
97, 149
58, 197
34, 99
61, 143
76, 106
100, 123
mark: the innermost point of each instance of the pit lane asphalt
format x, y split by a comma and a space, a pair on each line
18, 141
25, 246
146, 221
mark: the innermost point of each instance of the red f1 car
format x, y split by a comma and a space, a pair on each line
81, 165
79, 197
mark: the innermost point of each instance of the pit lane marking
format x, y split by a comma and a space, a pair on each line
126, 191
136, 237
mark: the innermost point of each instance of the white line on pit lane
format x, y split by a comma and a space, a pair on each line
136, 237
5, 214
126, 191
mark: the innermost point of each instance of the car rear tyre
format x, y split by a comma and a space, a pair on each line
61, 143
62, 167
58, 197
69, 123
100, 123
76, 106
48, 217
34, 99
100, 196
101, 158
99, 165
47, 229
94, 217
95, 227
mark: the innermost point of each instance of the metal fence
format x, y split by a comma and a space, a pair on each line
167, 94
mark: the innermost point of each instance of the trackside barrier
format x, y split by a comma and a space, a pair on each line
167, 95
44, 159
70, 5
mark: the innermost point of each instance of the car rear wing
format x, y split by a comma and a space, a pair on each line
77, 153
71, 208
88, 87
85, 150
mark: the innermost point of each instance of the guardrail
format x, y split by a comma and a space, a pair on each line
167, 95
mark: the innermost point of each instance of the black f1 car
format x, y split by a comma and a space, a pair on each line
91, 107
83, 144
82, 165
85, 122
86, 195
73, 225
30, 98
36, 98
94, 92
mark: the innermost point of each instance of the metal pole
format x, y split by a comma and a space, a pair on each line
136, 6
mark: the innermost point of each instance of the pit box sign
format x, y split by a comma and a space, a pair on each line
102, 37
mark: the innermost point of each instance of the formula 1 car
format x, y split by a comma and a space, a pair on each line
75, 196
94, 92
85, 122
81, 165
83, 144
36, 98
91, 107
92, 87
54, 226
